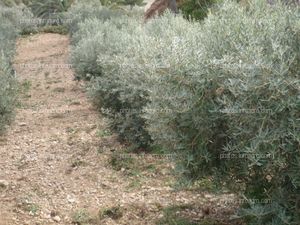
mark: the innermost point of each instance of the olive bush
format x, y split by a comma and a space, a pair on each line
7, 93
229, 105
95, 36
82, 10
93, 57
10, 25
222, 94
15, 21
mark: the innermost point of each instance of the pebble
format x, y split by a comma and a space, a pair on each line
4, 183
45, 216
208, 196
56, 219
70, 199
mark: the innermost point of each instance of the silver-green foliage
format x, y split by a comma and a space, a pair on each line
93, 57
233, 88
7, 93
229, 85
82, 10
11, 24
95, 37
15, 20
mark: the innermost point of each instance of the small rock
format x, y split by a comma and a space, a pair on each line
71, 199
22, 124
56, 219
200, 216
208, 196
4, 183
160, 216
45, 216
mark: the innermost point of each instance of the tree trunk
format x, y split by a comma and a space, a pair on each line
158, 7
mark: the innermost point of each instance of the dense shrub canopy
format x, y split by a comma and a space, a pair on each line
80, 11
235, 92
93, 56
222, 94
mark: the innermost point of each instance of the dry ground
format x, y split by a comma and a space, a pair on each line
54, 166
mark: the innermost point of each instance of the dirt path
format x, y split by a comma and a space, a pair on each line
52, 167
